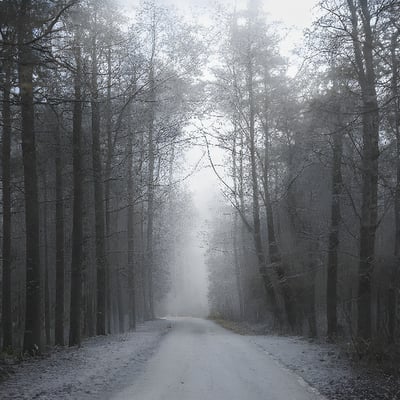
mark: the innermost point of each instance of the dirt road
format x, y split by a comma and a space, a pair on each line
199, 360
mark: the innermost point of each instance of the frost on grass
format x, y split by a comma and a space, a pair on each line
89, 372
327, 368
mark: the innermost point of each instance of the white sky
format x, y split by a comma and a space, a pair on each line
294, 16
291, 12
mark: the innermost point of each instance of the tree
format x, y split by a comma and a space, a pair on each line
333, 246
76, 260
33, 333
363, 44
60, 239
6, 178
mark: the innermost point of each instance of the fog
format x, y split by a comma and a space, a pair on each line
189, 274
232, 159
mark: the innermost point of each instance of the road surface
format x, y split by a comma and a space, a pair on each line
199, 360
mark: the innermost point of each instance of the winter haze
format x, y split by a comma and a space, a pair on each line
199, 199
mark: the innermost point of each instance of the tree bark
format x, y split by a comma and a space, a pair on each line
274, 252
150, 179
143, 269
394, 289
333, 245
98, 199
121, 306
77, 229
6, 181
108, 185
33, 328
238, 276
60, 239
363, 51
255, 197
243, 211
150, 221
131, 234
47, 306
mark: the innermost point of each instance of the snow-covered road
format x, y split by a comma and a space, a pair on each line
199, 360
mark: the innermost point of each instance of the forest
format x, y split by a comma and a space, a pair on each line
99, 106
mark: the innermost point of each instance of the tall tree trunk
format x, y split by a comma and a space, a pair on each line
121, 305
131, 234
274, 252
33, 328
313, 265
77, 229
141, 259
255, 197
150, 221
238, 274
108, 185
242, 210
333, 245
150, 178
6, 180
396, 123
143, 269
98, 199
47, 306
394, 289
363, 51
60, 243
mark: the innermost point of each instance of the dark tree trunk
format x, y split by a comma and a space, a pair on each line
108, 185
368, 216
150, 220
394, 289
131, 236
121, 307
237, 262
255, 197
77, 230
60, 239
47, 306
143, 280
313, 264
274, 252
242, 211
333, 245
363, 51
98, 200
6, 181
238, 274
33, 326
150, 181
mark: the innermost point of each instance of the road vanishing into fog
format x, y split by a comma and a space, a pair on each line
199, 360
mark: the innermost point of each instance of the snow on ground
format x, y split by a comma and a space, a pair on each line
327, 368
100, 365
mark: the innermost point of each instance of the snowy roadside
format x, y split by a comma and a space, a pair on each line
325, 367
90, 372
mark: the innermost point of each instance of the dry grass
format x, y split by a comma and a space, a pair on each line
242, 328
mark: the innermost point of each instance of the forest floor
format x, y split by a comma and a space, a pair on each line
330, 368
89, 372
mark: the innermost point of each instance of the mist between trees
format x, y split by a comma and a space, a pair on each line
97, 111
